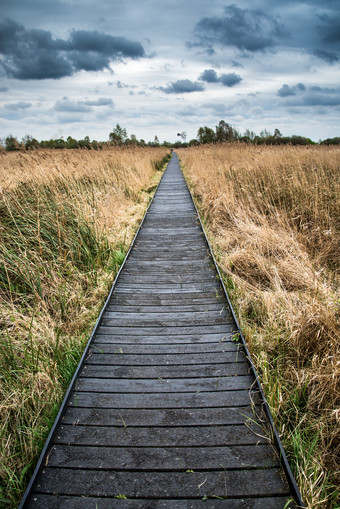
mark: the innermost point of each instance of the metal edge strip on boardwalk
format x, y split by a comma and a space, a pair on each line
283, 458
43, 454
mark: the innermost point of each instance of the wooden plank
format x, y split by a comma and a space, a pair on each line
152, 299
152, 252
167, 349
171, 278
166, 270
176, 316
159, 360
120, 307
164, 385
164, 400
239, 483
148, 257
183, 417
171, 436
162, 330
202, 371
166, 239
171, 459
165, 245
168, 340
178, 291
134, 320
174, 283
161, 229
205, 261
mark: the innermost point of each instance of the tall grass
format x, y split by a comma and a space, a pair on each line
272, 214
66, 221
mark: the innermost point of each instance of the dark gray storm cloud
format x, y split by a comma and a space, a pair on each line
35, 54
210, 76
246, 29
328, 28
182, 87
301, 95
230, 80
227, 80
322, 96
286, 90
328, 56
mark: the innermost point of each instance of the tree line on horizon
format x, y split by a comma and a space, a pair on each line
223, 133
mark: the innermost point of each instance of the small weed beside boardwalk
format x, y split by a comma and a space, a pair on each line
272, 215
66, 222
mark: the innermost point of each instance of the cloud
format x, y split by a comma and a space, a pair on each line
18, 106
286, 90
228, 80
66, 105
209, 75
328, 56
318, 96
246, 29
300, 95
182, 87
103, 44
35, 54
329, 28
102, 101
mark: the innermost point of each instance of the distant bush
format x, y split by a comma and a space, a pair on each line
11, 143
331, 141
282, 140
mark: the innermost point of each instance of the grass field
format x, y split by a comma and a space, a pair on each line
272, 216
66, 221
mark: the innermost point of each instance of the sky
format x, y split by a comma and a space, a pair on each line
78, 67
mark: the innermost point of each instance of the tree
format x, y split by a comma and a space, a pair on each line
250, 135
330, 141
133, 139
59, 143
265, 134
206, 135
85, 143
118, 135
224, 132
11, 143
30, 142
95, 145
71, 142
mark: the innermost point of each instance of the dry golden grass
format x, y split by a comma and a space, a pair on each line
66, 221
272, 214
116, 175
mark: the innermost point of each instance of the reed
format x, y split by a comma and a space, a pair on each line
66, 221
272, 215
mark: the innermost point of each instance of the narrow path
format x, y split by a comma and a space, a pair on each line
164, 414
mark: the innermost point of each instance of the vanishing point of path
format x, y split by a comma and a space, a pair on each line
165, 411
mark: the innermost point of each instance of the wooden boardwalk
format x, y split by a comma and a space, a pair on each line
165, 412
